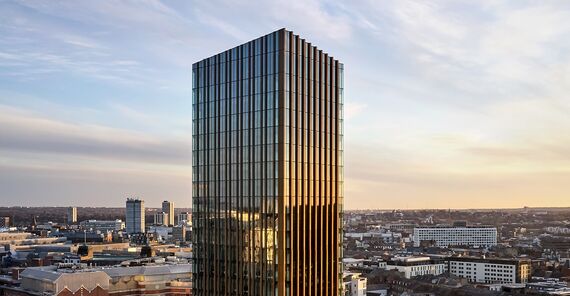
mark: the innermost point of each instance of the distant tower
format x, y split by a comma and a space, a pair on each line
4, 222
135, 216
161, 218
184, 216
34, 223
71, 215
168, 208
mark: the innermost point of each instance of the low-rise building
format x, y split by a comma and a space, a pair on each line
352, 262
402, 227
179, 233
413, 266
354, 284
27, 239
155, 279
548, 287
88, 236
160, 233
102, 225
490, 271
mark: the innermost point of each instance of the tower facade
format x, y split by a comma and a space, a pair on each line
5, 222
71, 215
185, 217
161, 219
168, 208
268, 169
134, 216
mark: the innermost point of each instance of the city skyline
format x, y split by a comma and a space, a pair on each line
449, 104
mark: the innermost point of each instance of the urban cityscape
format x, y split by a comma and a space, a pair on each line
391, 252
226, 174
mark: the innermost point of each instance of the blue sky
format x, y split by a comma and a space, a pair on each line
455, 104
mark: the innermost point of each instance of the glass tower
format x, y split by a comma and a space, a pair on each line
268, 170
135, 216
168, 207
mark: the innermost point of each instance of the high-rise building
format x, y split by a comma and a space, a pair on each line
161, 218
185, 216
71, 215
268, 170
134, 216
168, 208
4, 222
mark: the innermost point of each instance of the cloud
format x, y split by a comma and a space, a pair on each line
211, 21
313, 18
46, 161
133, 114
32, 65
67, 38
22, 131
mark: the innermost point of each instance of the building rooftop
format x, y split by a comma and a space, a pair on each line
490, 260
52, 273
453, 226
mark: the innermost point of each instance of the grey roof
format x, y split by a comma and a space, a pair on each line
148, 270
51, 274
41, 274
68, 279
52, 248
88, 280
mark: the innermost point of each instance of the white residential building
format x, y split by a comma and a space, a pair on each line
354, 284
490, 271
415, 266
352, 262
446, 236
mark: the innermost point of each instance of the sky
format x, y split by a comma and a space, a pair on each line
448, 104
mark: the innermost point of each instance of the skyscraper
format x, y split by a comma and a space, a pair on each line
184, 217
168, 207
161, 218
134, 216
5, 222
71, 215
268, 169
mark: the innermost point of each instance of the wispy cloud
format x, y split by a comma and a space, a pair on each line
22, 131
133, 114
42, 156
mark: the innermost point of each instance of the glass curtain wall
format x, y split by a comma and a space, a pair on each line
235, 170
267, 170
